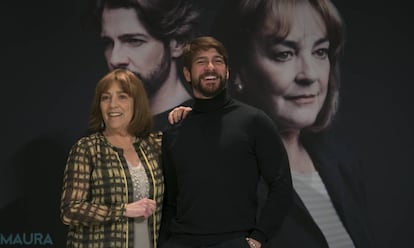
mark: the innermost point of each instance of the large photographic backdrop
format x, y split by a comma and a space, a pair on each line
50, 66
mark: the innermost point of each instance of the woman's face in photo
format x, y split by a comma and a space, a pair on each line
289, 78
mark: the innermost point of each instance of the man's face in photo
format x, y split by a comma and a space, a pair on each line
128, 44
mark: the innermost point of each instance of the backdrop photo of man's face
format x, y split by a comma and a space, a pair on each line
128, 44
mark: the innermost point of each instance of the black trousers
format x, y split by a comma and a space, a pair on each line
239, 242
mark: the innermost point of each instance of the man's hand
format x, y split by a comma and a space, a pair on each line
177, 114
253, 243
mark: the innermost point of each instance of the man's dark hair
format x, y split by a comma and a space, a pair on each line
202, 43
164, 19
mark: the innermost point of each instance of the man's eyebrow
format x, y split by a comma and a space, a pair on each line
126, 36
205, 57
200, 57
132, 35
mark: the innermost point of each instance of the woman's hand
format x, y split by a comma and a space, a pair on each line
144, 207
178, 114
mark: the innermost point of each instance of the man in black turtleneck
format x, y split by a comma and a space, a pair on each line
213, 160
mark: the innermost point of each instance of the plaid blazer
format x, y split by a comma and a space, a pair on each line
97, 186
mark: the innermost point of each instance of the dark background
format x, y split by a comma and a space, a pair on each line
49, 68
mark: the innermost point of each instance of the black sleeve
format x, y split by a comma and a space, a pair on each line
170, 179
274, 168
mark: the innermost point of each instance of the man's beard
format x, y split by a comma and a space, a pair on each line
155, 79
207, 91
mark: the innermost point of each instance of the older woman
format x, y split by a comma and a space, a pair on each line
288, 68
113, 184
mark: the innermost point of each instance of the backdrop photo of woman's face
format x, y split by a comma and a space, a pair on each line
289, 78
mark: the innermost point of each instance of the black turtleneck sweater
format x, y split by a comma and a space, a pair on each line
212, 162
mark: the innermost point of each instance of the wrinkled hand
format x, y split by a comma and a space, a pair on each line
144, 207
178, 114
